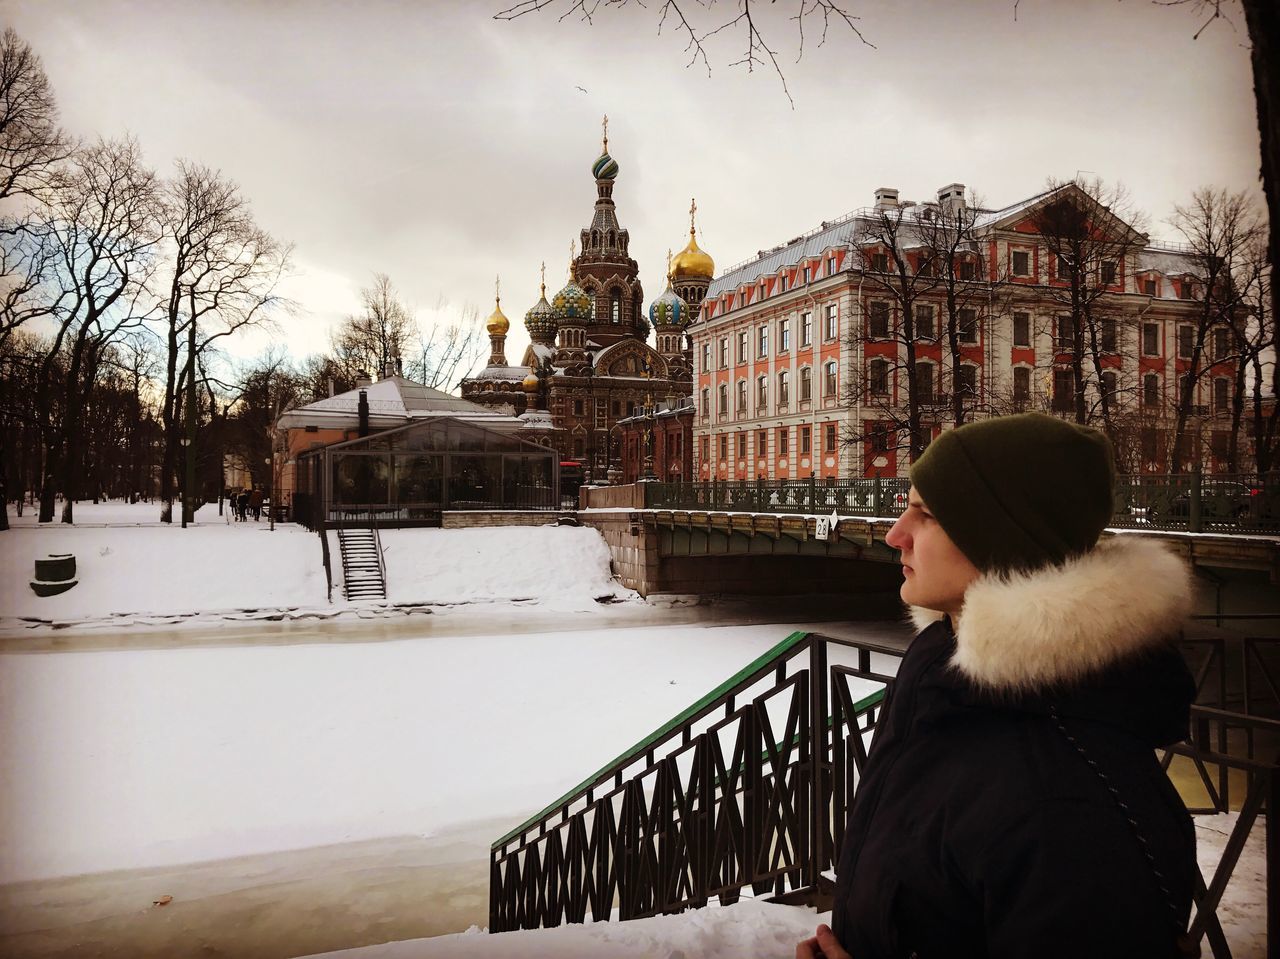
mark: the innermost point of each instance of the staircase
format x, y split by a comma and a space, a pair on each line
363, 573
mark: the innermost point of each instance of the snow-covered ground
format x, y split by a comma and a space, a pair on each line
134, 571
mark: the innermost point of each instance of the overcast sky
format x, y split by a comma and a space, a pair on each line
430, 142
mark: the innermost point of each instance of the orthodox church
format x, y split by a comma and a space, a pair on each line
589, 363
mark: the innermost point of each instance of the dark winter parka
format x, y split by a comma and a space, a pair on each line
981, 828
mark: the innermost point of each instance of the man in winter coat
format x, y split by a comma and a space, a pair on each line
1012, 804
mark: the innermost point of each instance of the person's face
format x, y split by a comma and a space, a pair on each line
935, 573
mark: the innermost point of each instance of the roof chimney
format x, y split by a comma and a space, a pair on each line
951, 198
362, 410
886, 198
362, 378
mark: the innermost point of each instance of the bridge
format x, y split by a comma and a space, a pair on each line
799, 537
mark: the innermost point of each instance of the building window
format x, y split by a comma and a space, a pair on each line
829, 378
782, 282
924, 381
967, 320
762, 393
1109, 335
806, 329
706, 357
1151, 390
806, 440
880, 262
1022, 329
742, 445
831, 265
878, 325
742, 396
1150, 339
806, 273
577, 407
724, 446
924, 322
616, 409
706, 402
1021, 386
832, 324
724, 352
1064, 266
1187, 291
1150, 440
967, 380
1221, 343
1109, 272
1149, 287
1186, 337
762, 341
784, 388
706, 448
1066, 334
1109, 383
784, 335
806, 384
1064, 391
722, 399
1021, 263
878, 377
883, 438
968, 270
1221, 390
617, 308
784, 442
762, 442
742, 346
829, 432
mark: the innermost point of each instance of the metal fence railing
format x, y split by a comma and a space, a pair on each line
747, 792
1189, 502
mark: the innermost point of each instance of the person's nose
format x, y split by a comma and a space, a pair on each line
898, 537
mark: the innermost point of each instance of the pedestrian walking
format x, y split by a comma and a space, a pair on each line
255, 503
242, 505
1012, 804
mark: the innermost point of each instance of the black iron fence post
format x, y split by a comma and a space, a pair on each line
818, 762
1196, 505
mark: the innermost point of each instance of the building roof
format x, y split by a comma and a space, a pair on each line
393, 401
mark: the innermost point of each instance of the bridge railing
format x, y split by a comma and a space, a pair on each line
1186, 502
748, 790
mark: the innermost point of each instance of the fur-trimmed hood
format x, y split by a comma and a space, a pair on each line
1029, 632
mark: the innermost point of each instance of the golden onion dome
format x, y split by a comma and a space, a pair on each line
530, 382
497, 324
693, 261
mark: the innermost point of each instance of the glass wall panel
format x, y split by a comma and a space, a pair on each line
528, 482
467, 438
426, 439
475, 482
418, 481
360, 480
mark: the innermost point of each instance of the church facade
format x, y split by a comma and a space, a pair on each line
590, 363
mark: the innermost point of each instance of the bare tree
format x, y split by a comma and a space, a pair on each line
1220, 228
31, 143
447, 351
224, 271
699, 22
102, 216
1257, 379
1091, 231
378, 337
901, 269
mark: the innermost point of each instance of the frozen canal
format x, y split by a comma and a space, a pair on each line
332, 792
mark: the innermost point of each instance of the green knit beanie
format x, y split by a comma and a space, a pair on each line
1018, 492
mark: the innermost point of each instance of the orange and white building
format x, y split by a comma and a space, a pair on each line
779, 337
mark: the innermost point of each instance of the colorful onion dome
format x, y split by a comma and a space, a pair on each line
605, 168
572, 305
668, 309
540, 321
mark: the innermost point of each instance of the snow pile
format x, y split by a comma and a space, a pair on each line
559, 567
748, 928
